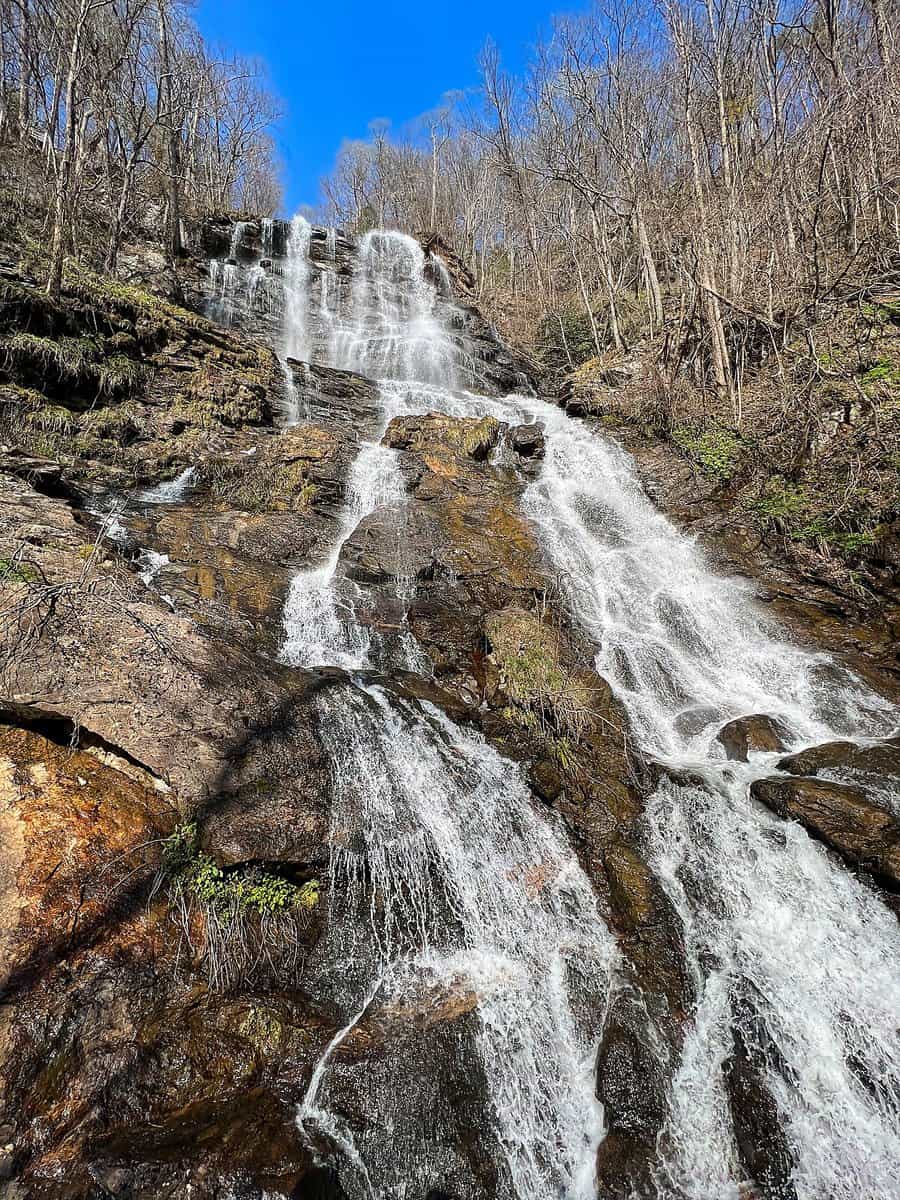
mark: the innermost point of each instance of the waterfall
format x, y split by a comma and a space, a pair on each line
443, 873
443, 868
170, 491
297, 343
436, 843
392, 330
761, 904
439, 268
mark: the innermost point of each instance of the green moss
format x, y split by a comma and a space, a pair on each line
70, 358
716, 449
134, 303
119, 422
880, 375
475, 438
261, 1027
263, 487
52, 419
15, 572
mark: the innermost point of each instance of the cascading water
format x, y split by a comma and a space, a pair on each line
436, 846
170, 491
296, 286
762, 905
392, 331
443, 874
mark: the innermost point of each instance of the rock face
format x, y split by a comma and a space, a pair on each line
864, 834
123, 1060
632, 1078
159, 764
749, 735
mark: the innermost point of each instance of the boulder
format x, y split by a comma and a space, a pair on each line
865, 835
450, 436
881, 760
527, 440
752, 735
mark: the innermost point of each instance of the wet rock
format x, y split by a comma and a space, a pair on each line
632, 1070
527, 440
762, 1145
118, 1067
694, 720
43, 474
647, 923
865, 835
336, 399
881, 760
752, 735
544, 776
320, 1183
464, 281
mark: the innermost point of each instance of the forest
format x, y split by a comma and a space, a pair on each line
719, 171
115, 119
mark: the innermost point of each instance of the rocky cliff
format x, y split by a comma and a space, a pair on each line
171, 807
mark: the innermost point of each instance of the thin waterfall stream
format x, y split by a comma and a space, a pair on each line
435, 837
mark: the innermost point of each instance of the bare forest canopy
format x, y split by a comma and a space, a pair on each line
116, 114
710, 171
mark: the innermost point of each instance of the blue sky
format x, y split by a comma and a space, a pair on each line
337, 66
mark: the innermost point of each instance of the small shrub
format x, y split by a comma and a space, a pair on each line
548, 697
253, 919
802, 516
716, 449
557, 332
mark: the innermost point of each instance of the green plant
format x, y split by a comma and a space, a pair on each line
247, 889
805, 517
882, 311
882, 373
15, 572
52, 419
716, 449
252, 918
781, 501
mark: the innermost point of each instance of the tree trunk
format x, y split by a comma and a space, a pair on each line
650, 276
173, 208
115, 236
61, 206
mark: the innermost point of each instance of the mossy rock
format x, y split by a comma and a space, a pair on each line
549, 694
